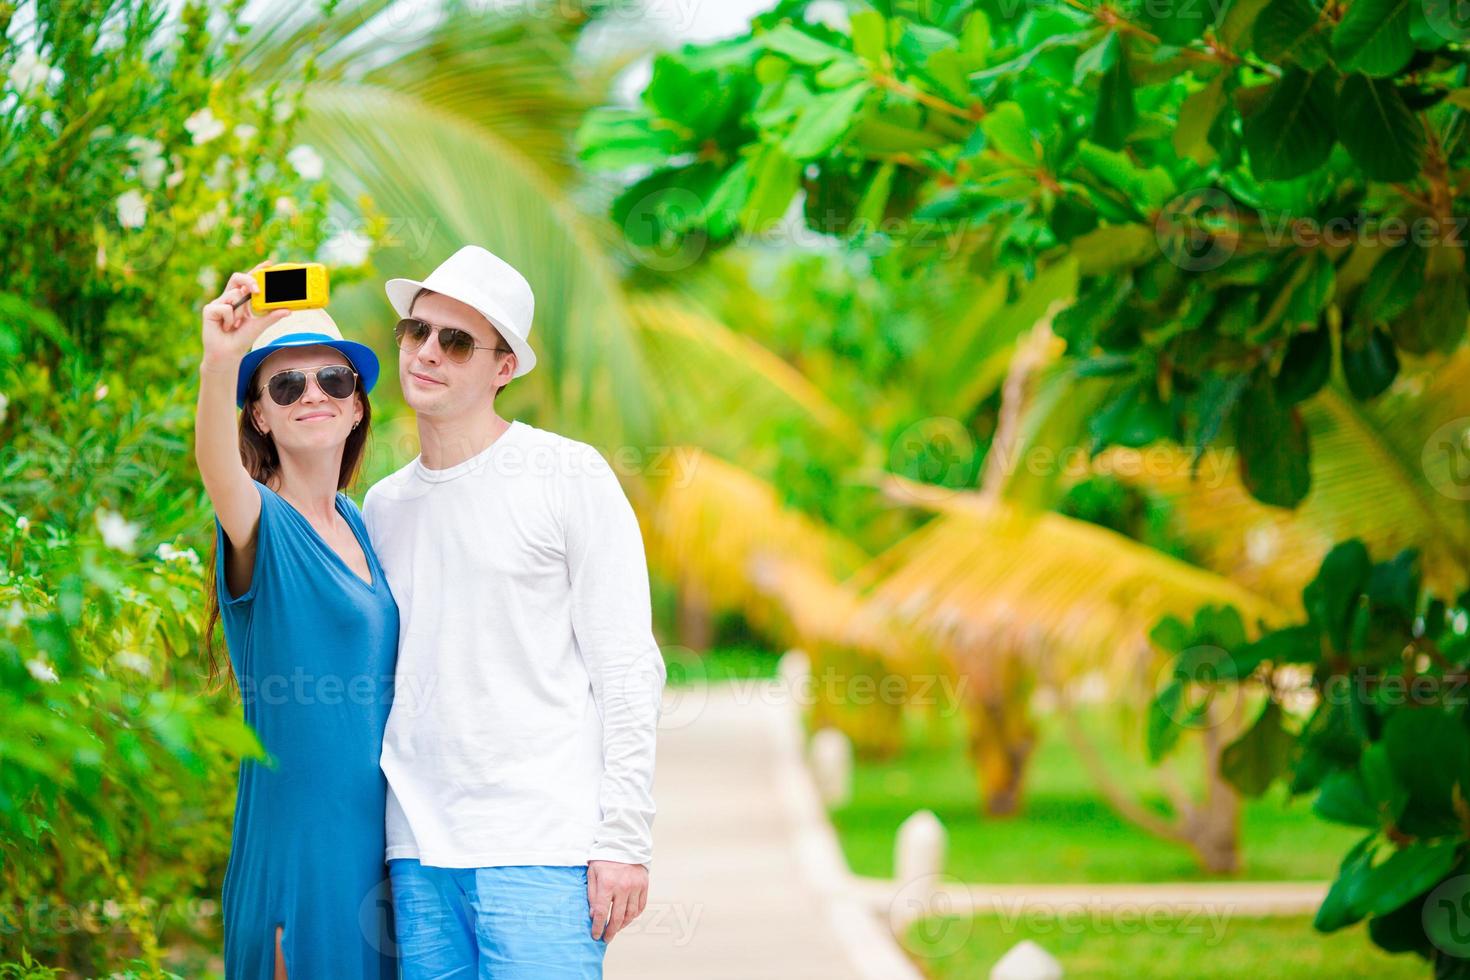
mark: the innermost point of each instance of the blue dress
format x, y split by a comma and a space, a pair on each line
314, 649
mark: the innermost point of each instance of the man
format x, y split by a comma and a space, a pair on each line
519, 750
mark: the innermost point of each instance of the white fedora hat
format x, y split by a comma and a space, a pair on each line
479, 278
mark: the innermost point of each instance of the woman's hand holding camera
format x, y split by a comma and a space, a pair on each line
229, 331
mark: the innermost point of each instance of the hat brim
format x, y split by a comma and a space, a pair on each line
361, 357
402, 291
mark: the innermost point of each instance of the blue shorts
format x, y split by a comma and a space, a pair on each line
519, 922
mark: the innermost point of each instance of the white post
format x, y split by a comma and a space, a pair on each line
1026, 961
918, 851
832, 766
792, 668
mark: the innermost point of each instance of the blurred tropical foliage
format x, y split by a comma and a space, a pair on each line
1385, 746
135, 166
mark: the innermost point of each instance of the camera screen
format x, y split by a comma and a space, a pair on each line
287, 284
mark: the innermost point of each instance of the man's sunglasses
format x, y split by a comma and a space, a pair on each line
458, 345
287, 387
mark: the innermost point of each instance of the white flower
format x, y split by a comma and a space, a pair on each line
132, 209
285, 207
15, 615
144, 148
22, 524
1262, 541
135, 662
28, 72
117, 531
41, 670
168, 552
149, 154
176, 175
4, 404
110, 37
283, 108
101, 256
208, 280
100, 393
245, 132
207, 221
150, 171
203, 126
831, 13
216, 178
306, 162
346, 248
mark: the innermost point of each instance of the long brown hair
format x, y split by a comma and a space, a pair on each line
263, 463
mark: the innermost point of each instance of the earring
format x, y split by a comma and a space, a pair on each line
357, 423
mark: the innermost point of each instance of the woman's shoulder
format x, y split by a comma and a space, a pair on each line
350, 508
265, 489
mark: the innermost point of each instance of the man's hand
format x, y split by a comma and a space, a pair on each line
617, 893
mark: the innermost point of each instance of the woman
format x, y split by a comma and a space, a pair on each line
312, 631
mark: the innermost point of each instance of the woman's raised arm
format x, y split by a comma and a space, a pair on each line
228, 334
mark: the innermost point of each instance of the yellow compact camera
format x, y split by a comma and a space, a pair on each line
290, 286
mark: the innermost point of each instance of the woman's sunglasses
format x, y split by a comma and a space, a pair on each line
287, 387
458, 345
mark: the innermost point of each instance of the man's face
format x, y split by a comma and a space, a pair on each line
435, 384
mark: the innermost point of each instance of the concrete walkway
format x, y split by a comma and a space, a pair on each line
746, 881
749, 881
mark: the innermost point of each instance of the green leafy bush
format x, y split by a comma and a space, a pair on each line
136, 169
1252, 192
1382, 673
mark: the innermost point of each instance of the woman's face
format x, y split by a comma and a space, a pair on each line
314, 422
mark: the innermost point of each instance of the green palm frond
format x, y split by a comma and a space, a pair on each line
526, 93
733, 393
511, 72
463, 183
973, 342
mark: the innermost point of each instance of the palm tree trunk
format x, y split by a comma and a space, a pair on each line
695, 621
1002, 738
1209, 828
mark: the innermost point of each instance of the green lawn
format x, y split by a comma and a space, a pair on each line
1107, 947
1067, 832
686, 668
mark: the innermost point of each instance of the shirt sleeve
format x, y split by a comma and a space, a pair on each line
369, 512
612, 621
224, 547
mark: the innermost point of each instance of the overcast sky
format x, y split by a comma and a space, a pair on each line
679, 22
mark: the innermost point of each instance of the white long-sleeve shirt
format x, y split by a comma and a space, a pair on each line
526, 696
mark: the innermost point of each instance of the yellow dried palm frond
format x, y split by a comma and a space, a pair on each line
989, 580
1369, 481
723, 531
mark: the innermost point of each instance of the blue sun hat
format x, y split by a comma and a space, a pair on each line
306, 328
